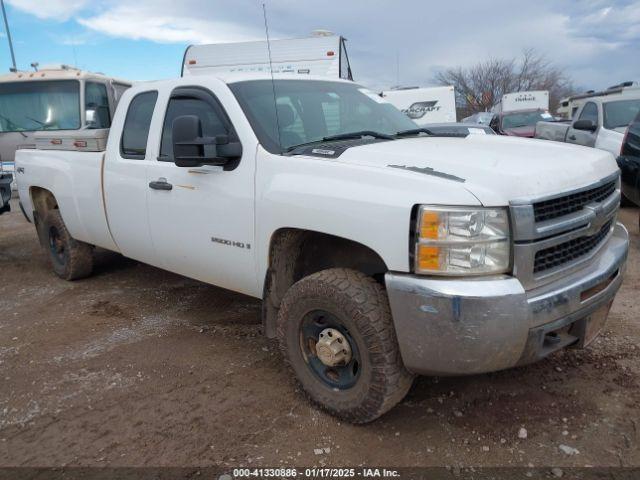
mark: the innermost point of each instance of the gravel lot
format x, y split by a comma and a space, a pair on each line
137, 366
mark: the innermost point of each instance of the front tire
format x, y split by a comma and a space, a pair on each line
70, 259
331, 308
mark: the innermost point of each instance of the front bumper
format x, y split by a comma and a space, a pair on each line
467, 326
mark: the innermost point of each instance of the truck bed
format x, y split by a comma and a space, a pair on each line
76, 179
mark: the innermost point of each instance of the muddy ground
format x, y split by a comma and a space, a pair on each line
137, 366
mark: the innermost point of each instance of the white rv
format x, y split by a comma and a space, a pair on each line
424, 105
53, 98
323, 53
517, 101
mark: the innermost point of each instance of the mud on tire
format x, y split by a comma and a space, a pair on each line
70, 259
360, 306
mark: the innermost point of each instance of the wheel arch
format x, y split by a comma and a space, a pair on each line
296, 253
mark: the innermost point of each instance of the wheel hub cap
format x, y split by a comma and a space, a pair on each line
333, 348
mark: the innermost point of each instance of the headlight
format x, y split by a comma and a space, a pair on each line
462, 241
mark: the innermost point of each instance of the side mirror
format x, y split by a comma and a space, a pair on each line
587, 125
191, 149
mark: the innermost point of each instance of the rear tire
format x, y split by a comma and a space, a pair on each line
355, 307
70, 259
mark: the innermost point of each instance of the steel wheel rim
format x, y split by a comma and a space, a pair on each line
341, 377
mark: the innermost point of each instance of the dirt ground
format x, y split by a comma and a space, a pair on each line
137, 366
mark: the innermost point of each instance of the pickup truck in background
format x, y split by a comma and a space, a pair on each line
599, 121
380, 251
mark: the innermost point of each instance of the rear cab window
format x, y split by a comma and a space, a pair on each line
135, 132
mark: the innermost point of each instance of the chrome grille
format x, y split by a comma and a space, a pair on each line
556, 235
561, 206
563, 253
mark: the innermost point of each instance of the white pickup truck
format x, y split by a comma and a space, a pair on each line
599, 122
379, 251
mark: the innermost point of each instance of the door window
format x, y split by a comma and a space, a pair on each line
212, 119
590, 112
136, 125
97, 100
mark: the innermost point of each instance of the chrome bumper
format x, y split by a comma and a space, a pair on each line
466, 326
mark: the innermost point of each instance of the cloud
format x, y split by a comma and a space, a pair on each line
50, 9
163, 23
618, 23
593, 40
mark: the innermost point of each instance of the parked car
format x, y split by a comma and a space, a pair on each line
629, 162
599, 121
459, 129
518, 124
379, 252
483, 118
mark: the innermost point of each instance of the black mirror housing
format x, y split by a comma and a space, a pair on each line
189, 144
586, 125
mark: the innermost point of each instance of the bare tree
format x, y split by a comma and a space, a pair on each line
481, 86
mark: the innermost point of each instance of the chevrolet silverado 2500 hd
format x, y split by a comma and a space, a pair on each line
380, 251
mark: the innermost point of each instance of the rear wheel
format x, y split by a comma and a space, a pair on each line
336, 331
71, 259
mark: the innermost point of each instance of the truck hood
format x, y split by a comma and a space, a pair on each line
495, 169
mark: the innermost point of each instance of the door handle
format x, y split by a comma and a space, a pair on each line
160, 184
572, 137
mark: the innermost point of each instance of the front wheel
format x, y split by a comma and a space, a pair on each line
70, 259
336, 331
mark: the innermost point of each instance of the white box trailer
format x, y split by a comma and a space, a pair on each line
424, 105
533, 100
323, 54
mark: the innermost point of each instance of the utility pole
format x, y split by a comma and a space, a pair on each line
6, 27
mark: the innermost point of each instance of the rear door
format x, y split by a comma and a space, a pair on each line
202, 219
125, 178
585, 137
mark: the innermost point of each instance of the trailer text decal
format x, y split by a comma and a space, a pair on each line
418, 109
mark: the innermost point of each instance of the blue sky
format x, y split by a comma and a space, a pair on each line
597, 42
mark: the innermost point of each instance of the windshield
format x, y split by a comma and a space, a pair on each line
620, 113
523, 119
309, 110
37, 105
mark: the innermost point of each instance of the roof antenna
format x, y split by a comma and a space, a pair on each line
273, 83
8, 32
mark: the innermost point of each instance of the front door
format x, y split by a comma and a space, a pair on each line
585, 137
202, 219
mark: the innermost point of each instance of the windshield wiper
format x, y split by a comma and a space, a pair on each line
344, 136
360, 134
39, 122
